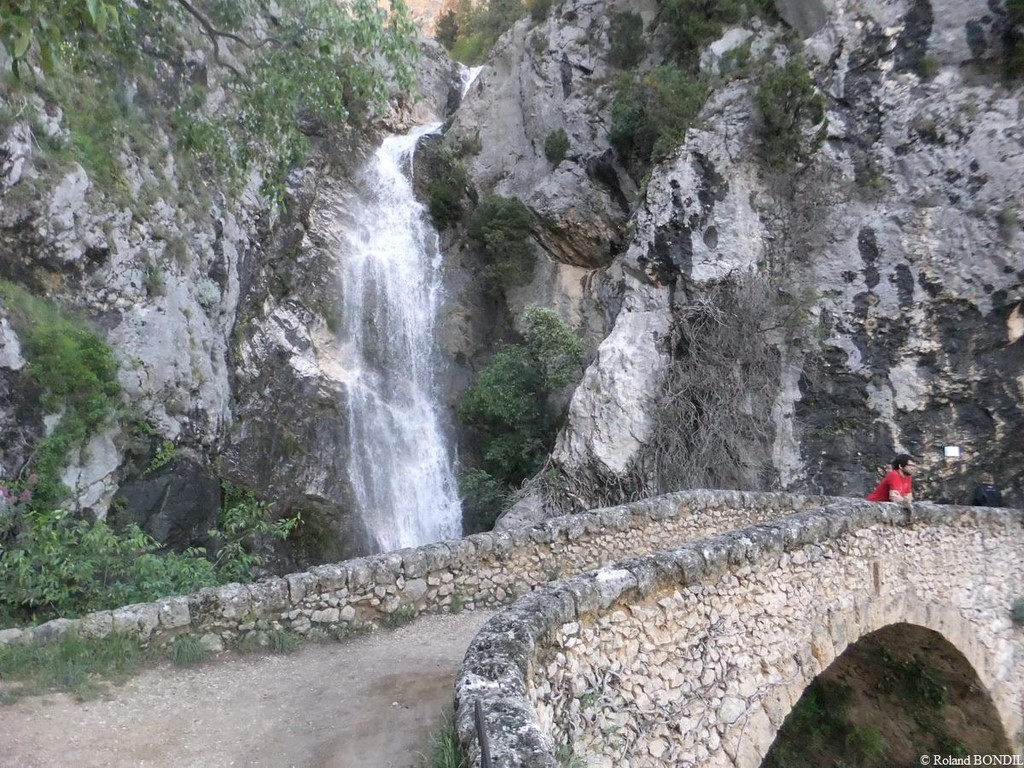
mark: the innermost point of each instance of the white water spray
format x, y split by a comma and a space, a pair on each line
469, 75
399, 466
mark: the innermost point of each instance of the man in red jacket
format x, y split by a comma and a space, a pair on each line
898, 483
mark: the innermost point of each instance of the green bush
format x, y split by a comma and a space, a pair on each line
507, 404
483, 497
553, 347
446, 190
821, 716
736, 62
693, 24
497, 16
556, 145
60, 566
1007, 223
164, 455
244, 519
77, 372
952, 746
279, 641
504, 402
566, 757
500, 229
652, 112
913, 680
283, 642
627, 40
790, 105
472, 49
444, 749
401, 616
56, 565
314, 540
927, 67
865, 744
102, 123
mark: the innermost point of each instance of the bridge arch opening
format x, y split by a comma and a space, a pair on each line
896, 694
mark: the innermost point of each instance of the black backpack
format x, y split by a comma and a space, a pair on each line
987, 495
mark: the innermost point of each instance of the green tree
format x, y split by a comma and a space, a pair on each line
509, 402
500, 229
790, 106
447, 31
481, 24
499, 16
539, 9
483, 497
447, 186
652, 112
243, 521
627, 40
552, 346
40, 29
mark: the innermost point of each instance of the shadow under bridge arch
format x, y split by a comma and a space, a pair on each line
896, 694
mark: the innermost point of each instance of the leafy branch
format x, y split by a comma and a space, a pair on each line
337, 62
214, 35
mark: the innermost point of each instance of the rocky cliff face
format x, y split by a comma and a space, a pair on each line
895, 254
162, 285
897, 245
219, 307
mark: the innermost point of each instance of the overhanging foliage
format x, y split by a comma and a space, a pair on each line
325, 60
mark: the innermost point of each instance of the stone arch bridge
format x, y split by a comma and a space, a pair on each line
693, 656
708, 614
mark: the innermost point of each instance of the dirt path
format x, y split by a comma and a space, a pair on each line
370, 702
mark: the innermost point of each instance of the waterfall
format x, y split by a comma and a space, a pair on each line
469, 75
399, 465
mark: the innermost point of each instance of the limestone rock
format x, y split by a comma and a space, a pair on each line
902, 231
10, 347
177, 504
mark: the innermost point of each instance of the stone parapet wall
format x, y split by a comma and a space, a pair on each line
486, 569
694, 657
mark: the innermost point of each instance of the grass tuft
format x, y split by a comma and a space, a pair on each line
444, 749
283, 641
77, 665
187, 651
400, 616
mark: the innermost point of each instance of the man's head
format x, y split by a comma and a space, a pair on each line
903, 464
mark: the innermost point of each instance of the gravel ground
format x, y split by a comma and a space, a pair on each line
369, 702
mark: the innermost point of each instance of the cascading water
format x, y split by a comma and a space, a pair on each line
399, 466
